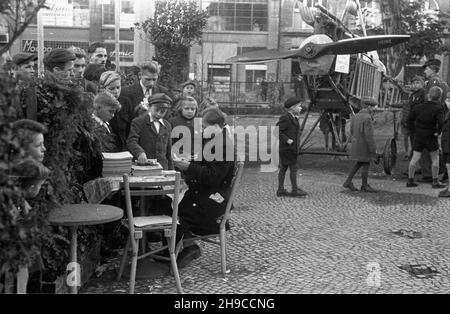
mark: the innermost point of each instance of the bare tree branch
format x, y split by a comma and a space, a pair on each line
19, 31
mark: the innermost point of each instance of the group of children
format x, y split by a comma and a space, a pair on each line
425, 123
363, 148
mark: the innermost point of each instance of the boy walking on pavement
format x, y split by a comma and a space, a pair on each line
426, 120
363, 148
288, 138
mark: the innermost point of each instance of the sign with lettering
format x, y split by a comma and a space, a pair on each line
342, 63
60, 13
30, 46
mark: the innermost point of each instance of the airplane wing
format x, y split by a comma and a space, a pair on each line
350, 46
313, 50
265, 55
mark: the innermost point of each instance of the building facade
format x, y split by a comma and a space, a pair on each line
79, 23
234, 27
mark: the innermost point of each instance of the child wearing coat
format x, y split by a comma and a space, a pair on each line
288, 127
363, 148
187, 108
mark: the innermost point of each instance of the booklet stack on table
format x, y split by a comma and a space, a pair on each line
116, 164
153, 168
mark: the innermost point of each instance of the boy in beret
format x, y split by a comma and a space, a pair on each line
150, 133
288, 127
363, 149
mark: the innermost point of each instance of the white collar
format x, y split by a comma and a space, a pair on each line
100, 121
152, 120
144, 89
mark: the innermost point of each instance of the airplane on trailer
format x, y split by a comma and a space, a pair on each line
357, 73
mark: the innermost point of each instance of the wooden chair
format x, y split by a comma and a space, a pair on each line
138, 225
221, 237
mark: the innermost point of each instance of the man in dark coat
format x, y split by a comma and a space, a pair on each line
150, 134
425, 122
431, 71
288, 147
147, 86
445, 144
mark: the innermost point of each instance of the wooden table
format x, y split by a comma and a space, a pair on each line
74, 215
101, 188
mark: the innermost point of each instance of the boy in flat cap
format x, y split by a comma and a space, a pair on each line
150, 133
426, 119
23, 69
59, 63
363, 149
416, 97
23, 65
288, 127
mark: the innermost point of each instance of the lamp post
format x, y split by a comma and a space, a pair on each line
117, 32
40, 43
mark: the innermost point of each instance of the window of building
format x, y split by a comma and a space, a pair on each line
254, 73
127, 16
219, 77
236, 15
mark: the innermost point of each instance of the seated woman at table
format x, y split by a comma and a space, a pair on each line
209, 181
110, 81
30, 135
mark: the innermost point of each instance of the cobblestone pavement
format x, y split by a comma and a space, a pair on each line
324, 243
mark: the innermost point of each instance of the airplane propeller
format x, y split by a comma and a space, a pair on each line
351, 46
313, 50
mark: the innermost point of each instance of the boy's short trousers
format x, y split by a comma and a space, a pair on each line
446, 158
430, 143
288, 158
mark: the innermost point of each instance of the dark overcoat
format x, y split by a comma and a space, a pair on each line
198, 211
445, 138
288, 127
363, 142
135, 94
121, 122
426, 119
144, 138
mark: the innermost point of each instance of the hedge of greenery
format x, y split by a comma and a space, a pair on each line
66, 111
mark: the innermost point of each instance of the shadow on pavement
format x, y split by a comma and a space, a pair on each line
389, 198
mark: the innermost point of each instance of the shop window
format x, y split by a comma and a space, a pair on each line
236, 15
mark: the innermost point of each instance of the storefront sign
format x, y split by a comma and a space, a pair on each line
31, 45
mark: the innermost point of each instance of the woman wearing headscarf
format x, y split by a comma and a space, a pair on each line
110, 81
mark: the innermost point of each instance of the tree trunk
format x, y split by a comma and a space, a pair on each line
390, 10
